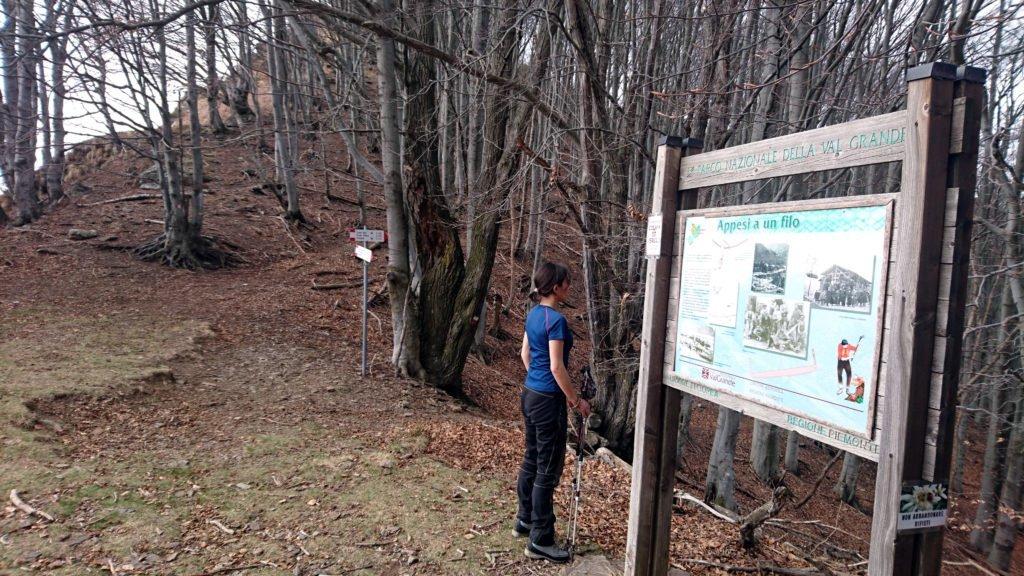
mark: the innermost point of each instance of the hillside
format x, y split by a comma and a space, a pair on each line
178, 422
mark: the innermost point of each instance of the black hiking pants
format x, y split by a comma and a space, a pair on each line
844, 366
546, 417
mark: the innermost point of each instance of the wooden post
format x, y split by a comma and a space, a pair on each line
657, 412
919, 219
969, 92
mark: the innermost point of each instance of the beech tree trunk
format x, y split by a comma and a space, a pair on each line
683, 437
8, 46
27, 207
55, 168
402, 295
720, 485
992, 475
791, 462
283, 127
42, 96
195, 128
846, 487
764, 451
1010, 496
210, 21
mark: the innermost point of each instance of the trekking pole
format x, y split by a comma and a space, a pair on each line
588, 389
577, 482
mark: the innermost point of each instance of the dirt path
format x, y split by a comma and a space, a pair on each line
305, 469
184, 423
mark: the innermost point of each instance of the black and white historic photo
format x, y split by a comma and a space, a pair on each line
771, 262
776, 324
697, 341
840, 285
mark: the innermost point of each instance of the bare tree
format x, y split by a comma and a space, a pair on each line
211, 20
26, 198
8, 47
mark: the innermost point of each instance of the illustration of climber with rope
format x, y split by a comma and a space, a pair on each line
844, 356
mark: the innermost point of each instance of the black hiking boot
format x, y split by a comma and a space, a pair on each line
551, 552
521, 529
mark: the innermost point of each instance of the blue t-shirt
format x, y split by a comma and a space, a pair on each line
544, 324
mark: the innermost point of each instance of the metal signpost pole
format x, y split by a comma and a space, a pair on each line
366, 271
363, 236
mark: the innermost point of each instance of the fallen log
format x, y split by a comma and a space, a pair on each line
337, 286
130, 198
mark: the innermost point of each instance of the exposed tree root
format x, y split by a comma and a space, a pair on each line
201, 252
759, 569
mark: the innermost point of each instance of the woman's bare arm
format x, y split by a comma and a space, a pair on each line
561, 374
524, 353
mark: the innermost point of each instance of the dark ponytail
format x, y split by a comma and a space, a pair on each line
546, 278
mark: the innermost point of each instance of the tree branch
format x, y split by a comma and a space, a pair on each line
529, 92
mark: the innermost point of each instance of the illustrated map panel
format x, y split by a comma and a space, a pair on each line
782, 309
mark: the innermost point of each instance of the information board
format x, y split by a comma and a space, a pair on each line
783, 309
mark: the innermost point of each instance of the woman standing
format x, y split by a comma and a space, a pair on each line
547, 395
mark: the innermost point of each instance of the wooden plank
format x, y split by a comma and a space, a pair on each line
657, 415
929, 464
939, 354
790, 206
948, 240
956, 130
932, 419
938, 359
970, 91
932, 427
942, 318
945, 281
920, 214
934, 391
866, 141
952, 207
816, 431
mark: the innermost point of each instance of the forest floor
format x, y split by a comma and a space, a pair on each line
177, 422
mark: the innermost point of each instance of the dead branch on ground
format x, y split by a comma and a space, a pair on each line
336, 286
130, 198
759, 569
21, 505
817, 483
751, 522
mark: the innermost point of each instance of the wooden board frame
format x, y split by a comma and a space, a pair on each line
921, 353
873, 140
861, 442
